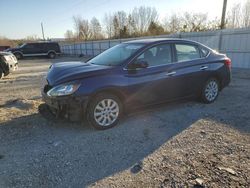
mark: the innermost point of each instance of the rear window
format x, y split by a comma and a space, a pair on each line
29, 46
186, 52
204, 52
52, 46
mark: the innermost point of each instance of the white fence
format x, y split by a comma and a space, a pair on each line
234, 42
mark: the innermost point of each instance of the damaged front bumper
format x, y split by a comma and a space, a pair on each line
70, 107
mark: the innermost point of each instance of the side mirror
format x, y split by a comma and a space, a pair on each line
138, 64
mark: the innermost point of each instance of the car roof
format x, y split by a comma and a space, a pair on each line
42, 42
157, 40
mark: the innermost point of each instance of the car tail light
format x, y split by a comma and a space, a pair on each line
228, 63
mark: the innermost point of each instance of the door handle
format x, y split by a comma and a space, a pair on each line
204, 68
171, 73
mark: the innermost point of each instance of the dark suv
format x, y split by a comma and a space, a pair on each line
50, 49
135, 74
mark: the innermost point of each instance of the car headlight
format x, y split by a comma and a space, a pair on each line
63, 90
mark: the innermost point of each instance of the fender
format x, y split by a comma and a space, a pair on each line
17, 52
51, 51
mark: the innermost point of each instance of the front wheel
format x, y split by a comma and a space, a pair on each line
104, 111
210, 91
18, 55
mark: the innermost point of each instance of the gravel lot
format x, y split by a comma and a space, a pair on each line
182, 144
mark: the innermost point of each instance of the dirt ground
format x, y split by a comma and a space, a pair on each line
183, 144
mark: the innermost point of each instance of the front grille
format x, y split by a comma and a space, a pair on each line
47, 88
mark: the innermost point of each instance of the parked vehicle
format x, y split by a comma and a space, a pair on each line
50, 49
2, 48
8, 63
135, 74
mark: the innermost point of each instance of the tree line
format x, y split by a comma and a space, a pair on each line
144, 21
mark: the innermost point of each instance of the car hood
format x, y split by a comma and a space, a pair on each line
12, 49
5, 53
69, 71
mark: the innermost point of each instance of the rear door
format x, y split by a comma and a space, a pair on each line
41, 48
52, 47
192, 64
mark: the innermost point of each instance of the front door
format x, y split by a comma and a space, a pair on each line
159, 82
32, 49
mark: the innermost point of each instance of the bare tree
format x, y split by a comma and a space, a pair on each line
142, 18
155, 29
108, 23
213, 24
239, 15
116, 27
32, 38
234, 16
187, 22
131, 26
194, 22
96, 28
246, 14
77, 20
82, 27
173, 24
85, 29
120, 24
144, 21
69, 35
121, 18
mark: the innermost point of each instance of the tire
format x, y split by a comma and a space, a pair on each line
18, 55
104, 111
210, 91
6, 74
1, 74
52, 55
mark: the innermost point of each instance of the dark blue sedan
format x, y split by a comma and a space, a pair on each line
132, 75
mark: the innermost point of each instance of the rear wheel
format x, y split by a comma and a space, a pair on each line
18, 55
52, 55
104, 111
210, 91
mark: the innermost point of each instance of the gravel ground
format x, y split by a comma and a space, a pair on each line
184, 144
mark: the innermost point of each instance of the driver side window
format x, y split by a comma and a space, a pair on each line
29, 46
157, 55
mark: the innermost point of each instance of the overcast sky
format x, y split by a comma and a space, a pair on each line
21, 18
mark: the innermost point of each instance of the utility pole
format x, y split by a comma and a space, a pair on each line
224, 9
42, 30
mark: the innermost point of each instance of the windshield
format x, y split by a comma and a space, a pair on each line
116, 55
22, 45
